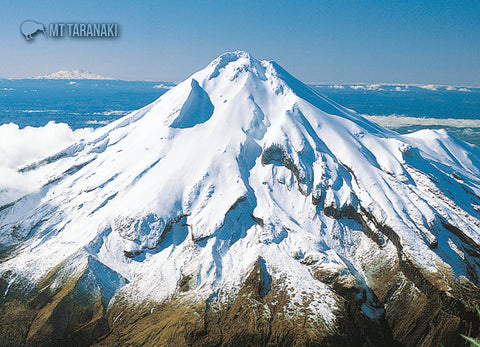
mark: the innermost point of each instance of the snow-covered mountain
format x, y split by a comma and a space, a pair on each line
72, 75
242, 207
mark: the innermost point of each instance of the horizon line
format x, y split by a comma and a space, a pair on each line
403, 84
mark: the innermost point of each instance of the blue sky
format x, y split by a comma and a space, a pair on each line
317, 41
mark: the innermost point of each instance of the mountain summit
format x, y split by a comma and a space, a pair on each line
72, 75
242, 207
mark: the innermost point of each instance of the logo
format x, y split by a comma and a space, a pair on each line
30, 28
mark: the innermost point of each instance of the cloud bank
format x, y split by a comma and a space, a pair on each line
399, 87
395, 121
20, 147
162, 86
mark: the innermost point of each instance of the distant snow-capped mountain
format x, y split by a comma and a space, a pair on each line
72, 75
242, 207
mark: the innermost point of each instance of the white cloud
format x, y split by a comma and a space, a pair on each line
375, 86
336, 86
20, 147
428, 86
162, 86
40, 111
395, 121
111, 113
102, 122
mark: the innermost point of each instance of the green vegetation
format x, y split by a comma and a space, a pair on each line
475, 343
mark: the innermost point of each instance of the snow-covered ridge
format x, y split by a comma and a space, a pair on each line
72, 75
242, 162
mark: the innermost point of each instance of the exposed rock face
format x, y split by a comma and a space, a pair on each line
67, 307
242, 208
255, 316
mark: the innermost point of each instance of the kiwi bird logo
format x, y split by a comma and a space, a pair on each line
30, 27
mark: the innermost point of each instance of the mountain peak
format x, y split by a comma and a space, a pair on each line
229, 57
236, 61
233, 55
243, 187
73, 75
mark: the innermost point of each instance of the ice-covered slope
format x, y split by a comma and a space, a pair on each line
242, 169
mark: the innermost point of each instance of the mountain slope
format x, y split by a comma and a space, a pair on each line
243, 207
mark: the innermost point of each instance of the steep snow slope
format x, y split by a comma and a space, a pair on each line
242, 166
